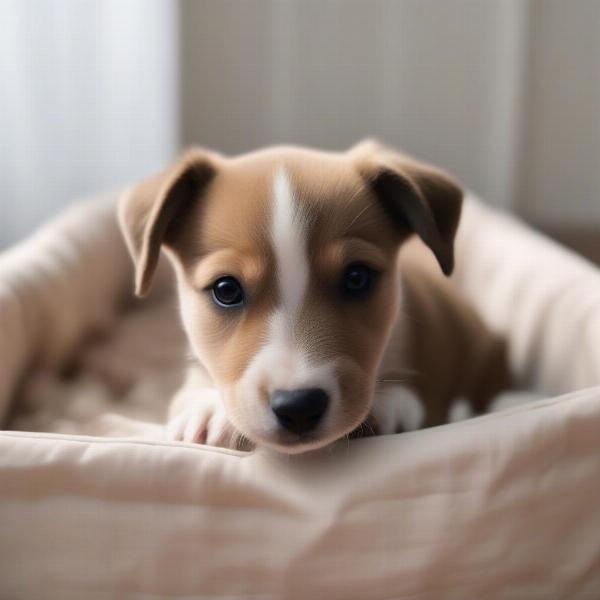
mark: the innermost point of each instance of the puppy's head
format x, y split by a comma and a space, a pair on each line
286, 268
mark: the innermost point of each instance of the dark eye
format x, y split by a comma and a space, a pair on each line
358, 280
228, 292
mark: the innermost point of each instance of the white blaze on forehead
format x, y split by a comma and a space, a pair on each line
287, 364
281, 363
289, 243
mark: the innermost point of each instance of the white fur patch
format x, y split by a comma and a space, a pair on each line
460, 411
288, 237
512, 399
281, 363
397, 408
289, 242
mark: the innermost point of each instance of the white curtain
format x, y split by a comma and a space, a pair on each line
88, 100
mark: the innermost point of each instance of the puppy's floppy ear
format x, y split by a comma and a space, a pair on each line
416, 196
149, 210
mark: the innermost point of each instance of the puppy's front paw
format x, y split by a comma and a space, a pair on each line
200, 421
397, 409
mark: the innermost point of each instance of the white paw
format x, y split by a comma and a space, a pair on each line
397, 409
201, 420
460, 411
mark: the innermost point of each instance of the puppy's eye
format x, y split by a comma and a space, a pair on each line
358, 280
228, 292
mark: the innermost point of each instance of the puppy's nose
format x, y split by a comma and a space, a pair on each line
299, 411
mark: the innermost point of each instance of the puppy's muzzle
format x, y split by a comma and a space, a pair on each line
299, 411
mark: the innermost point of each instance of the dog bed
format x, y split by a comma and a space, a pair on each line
93, 504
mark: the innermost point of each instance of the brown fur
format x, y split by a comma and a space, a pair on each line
440, 347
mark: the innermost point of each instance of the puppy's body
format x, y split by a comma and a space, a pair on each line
302, 318
440, 346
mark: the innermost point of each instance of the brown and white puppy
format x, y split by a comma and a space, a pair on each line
302, 319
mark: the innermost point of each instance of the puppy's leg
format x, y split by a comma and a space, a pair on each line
396, 409
197, 415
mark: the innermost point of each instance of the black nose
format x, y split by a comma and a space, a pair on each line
299, 410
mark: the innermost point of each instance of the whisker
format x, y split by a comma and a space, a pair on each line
371, 220
359, 190
359, 215
366, 424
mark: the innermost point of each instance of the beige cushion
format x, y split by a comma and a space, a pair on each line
504, 506
543, 297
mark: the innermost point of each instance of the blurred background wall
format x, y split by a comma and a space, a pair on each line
506, 95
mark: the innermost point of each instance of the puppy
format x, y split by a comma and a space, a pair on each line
305, 324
